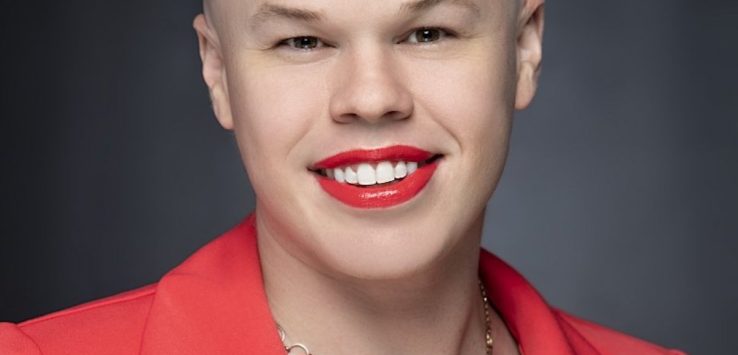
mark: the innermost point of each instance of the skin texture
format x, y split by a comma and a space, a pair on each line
380, 281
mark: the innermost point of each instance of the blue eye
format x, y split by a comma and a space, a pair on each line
304, 43
427, 35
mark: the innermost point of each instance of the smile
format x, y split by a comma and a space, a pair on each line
377, 178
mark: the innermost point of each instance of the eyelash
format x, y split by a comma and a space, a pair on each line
292, 41
444, 33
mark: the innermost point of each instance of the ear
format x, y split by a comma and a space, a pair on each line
213, 70
529, 51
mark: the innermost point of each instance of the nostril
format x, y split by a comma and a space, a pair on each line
397, 115
347, 118
388, 116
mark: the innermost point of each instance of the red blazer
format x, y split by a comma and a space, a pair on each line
214, 303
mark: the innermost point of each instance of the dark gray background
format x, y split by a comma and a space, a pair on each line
619, 202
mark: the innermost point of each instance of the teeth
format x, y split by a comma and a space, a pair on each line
385, 172
400, 170
350, 176
367, 174
411, 167
338, 175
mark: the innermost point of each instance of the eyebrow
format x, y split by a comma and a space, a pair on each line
270, 11
425, 5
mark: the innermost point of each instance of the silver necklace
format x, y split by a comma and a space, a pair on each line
488, 338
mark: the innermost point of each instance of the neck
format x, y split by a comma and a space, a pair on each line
438, 310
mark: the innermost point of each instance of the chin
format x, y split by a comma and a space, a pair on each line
391, 248
387, 256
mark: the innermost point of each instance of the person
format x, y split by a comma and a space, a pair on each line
373, 133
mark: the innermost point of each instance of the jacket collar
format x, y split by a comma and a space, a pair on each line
215, 303
529, 318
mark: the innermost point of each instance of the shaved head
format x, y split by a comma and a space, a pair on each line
210, 9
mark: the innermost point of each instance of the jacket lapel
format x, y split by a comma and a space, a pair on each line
214, 302
529, 318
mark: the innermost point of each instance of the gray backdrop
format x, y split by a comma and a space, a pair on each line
619, 200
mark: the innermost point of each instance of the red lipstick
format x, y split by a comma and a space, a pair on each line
380, 195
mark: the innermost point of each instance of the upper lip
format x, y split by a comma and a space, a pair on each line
392, 153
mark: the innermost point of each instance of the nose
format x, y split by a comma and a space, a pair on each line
370, 90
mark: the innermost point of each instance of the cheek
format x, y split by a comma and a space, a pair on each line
273, 110
471, 99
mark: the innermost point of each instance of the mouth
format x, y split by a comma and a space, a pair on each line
376, 178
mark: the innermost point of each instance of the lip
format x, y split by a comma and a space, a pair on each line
395, 152
384, 195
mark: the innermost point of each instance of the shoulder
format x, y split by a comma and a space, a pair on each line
112, 325
177, 311
605, 340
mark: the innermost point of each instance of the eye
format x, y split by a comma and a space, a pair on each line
427, 35
304, 43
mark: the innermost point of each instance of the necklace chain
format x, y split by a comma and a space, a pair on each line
488, 338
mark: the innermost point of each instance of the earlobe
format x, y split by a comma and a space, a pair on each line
221, 106
529, 52
213, 71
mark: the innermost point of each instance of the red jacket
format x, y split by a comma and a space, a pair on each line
214, 303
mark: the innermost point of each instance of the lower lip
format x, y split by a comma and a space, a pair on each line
379, 196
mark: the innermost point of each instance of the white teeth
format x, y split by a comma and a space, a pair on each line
338, 174
385, 172
400, 170
411, 167
366, 174
350, 176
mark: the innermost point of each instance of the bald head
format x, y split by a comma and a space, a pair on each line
208, 8
527, 7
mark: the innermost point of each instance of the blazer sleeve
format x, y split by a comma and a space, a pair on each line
13, 341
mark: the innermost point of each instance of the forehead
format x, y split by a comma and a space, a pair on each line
318, 10
283, 7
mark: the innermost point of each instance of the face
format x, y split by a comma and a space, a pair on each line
313, 87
